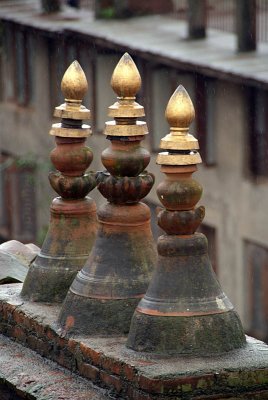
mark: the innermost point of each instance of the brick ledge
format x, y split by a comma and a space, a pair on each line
106, 361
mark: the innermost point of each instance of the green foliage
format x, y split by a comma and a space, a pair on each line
31, 161
107, 13
27, 161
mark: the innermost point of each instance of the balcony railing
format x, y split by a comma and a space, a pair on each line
221, 16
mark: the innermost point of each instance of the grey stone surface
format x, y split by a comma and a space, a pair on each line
25, 253
11, 269
15, 258
32, 377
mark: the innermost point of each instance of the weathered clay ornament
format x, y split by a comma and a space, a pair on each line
73, 221
106, 291
184, 310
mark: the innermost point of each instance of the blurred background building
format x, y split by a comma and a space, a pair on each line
218, 49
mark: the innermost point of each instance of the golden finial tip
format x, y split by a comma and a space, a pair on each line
74, 82
180, 110
126, 80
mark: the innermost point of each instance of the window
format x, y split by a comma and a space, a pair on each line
160, 93
17, 199
18, 58
105, 96
57, 67
5, 163
188, 81
8, 61
86, 58
205, 118
20, 68
258, 111
256, 261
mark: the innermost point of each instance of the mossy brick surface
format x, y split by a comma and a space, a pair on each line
240, 374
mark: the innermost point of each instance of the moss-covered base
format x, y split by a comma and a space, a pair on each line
65, 250
87, 316
195, 335
51, 283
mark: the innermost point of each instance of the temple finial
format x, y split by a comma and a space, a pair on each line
183, 295
106, 286
74, 87
180, 110
74, 83
68, 243
179, 145
126, 80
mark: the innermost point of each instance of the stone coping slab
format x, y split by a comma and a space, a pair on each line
26, 375
240, 374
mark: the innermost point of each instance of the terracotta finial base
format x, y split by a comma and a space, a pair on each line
106, 291
185, 309
55, 267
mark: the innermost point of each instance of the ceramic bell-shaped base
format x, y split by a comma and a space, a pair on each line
106, 291
185, 310
67, 245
